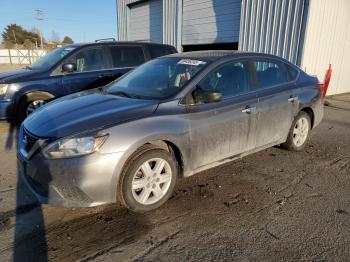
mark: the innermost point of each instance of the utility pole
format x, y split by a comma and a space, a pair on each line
39, 16
14, 36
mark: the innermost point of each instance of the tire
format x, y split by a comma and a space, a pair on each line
142, 191
27, 101
301, 122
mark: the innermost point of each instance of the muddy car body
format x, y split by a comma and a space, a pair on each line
219, 106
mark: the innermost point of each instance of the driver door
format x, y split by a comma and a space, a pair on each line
91, 70
227, 128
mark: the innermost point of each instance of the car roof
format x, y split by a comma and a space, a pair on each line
75, 45
215, 55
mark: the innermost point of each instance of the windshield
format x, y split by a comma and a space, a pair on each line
51, 58
157, 79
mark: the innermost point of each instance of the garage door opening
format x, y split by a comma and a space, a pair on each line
216, 46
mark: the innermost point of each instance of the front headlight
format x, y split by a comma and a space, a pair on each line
3, 89
8, 90
75, 146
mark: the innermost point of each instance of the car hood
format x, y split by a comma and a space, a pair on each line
85, 111
17, 75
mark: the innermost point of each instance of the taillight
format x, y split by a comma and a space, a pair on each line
322, 89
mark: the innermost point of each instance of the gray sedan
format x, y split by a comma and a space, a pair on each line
168, 119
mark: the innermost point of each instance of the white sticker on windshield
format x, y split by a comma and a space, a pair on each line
191, 62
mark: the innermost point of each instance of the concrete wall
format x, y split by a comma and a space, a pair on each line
20, 56
327, 41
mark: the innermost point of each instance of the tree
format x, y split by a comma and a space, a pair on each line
67, 40
28, 44
37, 31
55, 37
14, 33
8, 45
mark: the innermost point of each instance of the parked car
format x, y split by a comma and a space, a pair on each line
169, 118
71, 69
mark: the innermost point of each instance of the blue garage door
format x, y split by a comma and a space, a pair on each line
213, 21
146, 21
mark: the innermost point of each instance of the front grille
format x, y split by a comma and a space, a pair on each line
28, 140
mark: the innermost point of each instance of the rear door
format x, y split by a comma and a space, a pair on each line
227, 128
121, 59
278, 101
91, 70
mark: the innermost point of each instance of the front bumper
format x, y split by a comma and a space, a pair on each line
76, 182
6, 110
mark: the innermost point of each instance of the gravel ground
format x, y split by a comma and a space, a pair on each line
274, 205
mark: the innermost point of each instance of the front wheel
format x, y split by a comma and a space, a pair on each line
299, 133
148, 179
29, 104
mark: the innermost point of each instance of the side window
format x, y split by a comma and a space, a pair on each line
270, 73
230, 80
157, 51
293, 73
127, 56
88, 59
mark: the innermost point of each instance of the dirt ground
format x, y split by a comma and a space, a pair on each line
274, 205
9, 67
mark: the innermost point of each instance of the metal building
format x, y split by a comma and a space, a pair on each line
309, 33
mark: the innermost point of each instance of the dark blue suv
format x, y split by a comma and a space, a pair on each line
71, 69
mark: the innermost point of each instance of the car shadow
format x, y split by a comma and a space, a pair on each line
10, 142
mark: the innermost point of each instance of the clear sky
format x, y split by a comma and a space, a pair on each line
82, 20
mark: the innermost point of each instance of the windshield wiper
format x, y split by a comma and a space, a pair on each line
28, 67
122, 93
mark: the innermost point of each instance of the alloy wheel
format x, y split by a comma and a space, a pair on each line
34, 105
151, 181
301, 131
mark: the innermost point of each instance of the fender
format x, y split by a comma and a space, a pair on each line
31, 94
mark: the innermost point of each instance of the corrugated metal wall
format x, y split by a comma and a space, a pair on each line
327, 40
171, 16
206, 22
146, 21
123, 10
272, 26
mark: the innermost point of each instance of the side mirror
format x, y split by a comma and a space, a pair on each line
206, 96
69, 68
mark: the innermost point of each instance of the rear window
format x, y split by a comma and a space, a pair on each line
157, 51
127, 56
270, 73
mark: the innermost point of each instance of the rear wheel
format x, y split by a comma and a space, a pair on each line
299, 133
148, 179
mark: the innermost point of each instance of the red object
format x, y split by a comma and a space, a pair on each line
324, 87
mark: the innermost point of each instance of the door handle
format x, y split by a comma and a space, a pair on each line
293, 99
249, 110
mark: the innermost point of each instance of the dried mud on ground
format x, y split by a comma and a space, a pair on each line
274, 205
